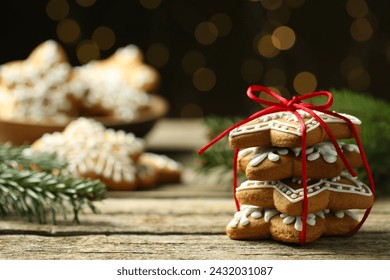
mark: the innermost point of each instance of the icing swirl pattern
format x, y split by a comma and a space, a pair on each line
288, 122
295, 195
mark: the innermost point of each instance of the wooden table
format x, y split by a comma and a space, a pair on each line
183, 221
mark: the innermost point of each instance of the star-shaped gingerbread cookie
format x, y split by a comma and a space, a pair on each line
283, 130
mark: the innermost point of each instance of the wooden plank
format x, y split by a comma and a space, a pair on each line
177, 229
165, 216
148, 247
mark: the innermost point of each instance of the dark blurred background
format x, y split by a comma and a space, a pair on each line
209, 52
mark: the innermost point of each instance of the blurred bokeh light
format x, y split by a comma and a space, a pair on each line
209, 52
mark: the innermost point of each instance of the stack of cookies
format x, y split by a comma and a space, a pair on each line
271, 199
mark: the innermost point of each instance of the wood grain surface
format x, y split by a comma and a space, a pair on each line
177, 221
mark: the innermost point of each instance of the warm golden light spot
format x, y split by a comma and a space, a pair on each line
150, 4
223, 24
283, 38
204, 79
271, 4
349, 63
87, 51
191, 110
266, 48
305, 82
268, 97
251, 70
274, 77
104, 37
361, 30
157, 55
359, 79
57, 9
86, 3
294, 3
206, 33
192, 61
68, 30
357, 8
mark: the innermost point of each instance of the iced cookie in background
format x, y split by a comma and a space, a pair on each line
128, 61
38, 88
118, 86
114, 157
46, 88
283, 130
168, 170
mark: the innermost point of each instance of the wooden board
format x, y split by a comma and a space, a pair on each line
177, 221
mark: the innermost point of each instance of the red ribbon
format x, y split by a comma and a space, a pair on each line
292, 106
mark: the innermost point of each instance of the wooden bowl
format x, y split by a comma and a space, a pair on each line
19, 133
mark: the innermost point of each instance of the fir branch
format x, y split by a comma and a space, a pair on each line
221, 155
22, 158
29, 189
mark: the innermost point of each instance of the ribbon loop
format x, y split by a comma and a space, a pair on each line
289, 105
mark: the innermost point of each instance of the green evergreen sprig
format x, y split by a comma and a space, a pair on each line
221, 155
29, 188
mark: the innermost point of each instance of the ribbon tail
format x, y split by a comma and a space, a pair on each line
235, 179
361, 150
331, 137
302, 237
365, 162
227, 131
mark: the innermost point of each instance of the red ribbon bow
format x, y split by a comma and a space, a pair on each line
292, 106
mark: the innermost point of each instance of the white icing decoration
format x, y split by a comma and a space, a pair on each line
297, 220
324, 149
341, 214
241, 217
271, 121
269, 214
161, 161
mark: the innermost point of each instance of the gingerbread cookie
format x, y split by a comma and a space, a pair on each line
254, 223
116, 158
275, 163
340, 193
38, 88
168, 170
147, 176
92, 151
117, 86
128, 61
283, 130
